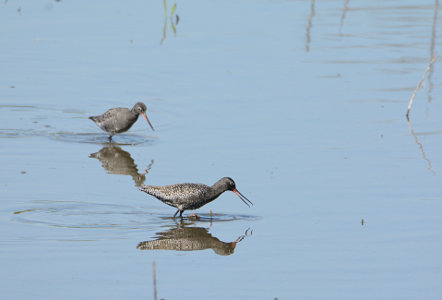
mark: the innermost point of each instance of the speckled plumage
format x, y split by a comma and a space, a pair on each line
120, 119
188, 239
185, 196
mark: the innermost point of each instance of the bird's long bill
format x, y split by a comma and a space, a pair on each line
243, 198
145, 117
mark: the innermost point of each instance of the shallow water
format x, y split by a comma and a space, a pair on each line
302, 103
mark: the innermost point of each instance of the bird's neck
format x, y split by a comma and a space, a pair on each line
134, 112
134, 115
218, 188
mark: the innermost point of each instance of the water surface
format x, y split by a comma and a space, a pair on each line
302, 103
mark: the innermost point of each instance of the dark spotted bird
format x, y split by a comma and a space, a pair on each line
188, 196
118, 120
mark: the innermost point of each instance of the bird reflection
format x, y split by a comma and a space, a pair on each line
117, 161
344, 12
186, 238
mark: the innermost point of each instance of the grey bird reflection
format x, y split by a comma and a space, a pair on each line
117, 161
186, 238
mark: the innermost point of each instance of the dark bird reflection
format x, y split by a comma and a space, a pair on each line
117, 161
344, 12
186, 238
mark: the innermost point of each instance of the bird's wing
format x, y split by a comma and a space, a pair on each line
177, 192
113, 112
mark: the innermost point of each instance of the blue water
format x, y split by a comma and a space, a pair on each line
302, 103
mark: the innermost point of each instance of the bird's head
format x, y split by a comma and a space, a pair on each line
140, 108
230, 185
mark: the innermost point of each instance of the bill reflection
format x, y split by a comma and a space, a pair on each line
186, 238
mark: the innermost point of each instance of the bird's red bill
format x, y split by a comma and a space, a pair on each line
145, 117
242, 197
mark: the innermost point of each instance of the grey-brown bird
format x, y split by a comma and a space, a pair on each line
119, 119
185, 196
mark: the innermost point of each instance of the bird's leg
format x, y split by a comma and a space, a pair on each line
110, 139
181, 213
176, 214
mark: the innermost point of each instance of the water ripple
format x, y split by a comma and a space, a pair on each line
102, 138
71, 214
